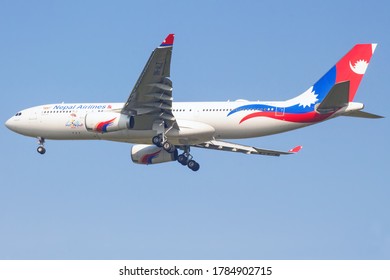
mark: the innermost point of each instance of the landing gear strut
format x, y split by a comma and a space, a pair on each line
41, 149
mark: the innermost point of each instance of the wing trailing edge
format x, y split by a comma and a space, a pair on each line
150, 101
232, 147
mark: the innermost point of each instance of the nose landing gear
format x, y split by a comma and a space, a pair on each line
41, 149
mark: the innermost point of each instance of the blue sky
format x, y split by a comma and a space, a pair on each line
87, 200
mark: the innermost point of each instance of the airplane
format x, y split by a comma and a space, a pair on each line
159, 127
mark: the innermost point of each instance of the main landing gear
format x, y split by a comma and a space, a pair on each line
159, 141
184, 159
41, 149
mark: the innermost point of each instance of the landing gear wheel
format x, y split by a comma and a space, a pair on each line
187, 159
41, 150
182, 159
169, 147
173, 149
157, 140
193, 165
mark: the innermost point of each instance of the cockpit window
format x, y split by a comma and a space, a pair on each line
18, 114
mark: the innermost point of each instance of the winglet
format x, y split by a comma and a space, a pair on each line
295, 150
168, 41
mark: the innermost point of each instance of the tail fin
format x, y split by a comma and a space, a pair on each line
331, 93
344, 79
350, 68
353, 66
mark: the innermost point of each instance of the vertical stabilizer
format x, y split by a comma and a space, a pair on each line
350, 68
353, 66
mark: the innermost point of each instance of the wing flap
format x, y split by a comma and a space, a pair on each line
232, 147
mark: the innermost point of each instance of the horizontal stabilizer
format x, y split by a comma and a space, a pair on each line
362, 114
337, 98
232, 147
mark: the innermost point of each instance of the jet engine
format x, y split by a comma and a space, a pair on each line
150, 154
106, 122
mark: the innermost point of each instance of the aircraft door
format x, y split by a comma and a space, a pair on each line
196, 113
279, 111
33, 116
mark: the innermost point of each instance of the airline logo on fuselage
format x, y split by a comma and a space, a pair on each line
81, 107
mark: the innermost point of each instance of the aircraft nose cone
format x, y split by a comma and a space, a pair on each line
10, 124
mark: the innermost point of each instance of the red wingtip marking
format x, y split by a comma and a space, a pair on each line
168, 40
296, 149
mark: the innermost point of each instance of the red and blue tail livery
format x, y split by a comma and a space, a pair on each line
160, 128
353, 66
302, 109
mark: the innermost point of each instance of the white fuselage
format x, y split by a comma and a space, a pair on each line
198, 122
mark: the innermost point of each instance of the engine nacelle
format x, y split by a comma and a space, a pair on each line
106, 122
150, 154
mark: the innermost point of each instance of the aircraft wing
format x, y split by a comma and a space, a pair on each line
232, 147
151, 98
